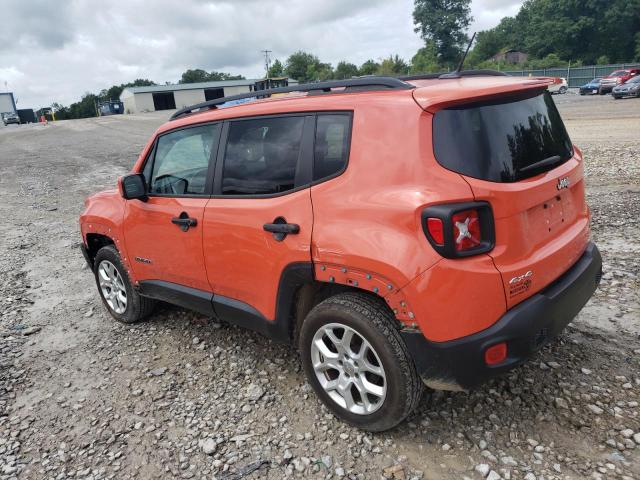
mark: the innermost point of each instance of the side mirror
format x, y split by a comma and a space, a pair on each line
133, 187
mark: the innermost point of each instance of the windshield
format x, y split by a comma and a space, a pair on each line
595, 80
634, 80
502, 141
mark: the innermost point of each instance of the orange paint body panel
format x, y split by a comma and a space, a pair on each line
539, 229
159, 249
456, 298
369, 217
243, 261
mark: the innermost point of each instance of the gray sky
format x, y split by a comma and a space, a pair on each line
54, 51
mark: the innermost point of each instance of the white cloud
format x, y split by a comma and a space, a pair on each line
488, 13
56, 51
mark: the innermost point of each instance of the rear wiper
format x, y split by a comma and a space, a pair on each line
542, 163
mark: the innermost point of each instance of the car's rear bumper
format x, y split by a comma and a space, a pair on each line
459, 364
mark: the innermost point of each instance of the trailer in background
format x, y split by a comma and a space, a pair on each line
111, 107
27, 115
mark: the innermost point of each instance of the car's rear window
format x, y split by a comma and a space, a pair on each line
502, 141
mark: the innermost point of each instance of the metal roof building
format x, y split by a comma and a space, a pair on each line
169, 97
7, 103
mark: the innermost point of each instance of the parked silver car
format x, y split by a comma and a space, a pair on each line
10, 117
631, 88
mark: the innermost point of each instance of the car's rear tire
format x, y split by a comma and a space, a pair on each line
563, 90
357, 363
122, 301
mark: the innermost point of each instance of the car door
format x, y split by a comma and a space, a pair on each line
164, 233
259, 219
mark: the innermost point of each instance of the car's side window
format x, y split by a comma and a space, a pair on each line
261, 156
331, 145
181, 161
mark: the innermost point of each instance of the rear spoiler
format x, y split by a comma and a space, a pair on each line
433, 97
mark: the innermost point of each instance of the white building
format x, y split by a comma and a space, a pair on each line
169, 97
7, 103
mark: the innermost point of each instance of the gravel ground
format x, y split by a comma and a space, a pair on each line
181, 396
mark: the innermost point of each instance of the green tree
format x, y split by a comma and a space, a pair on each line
85, 108
345, 70
298, 65
276, 69
425, 60
574, 30
198, 75
394, 65
62, 112
319, 72
443, 22
194, 76
370, 67
218, 76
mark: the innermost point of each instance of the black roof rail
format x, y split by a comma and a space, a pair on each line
350, 85
464, 73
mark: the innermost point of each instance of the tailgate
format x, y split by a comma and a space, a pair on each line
541, 224
514, 152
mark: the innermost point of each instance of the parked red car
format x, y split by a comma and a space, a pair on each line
617, 77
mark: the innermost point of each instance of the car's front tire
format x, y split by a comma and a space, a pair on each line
122, 301
357, 363
563, 90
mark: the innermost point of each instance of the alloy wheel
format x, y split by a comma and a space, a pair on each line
348, 368
112, 287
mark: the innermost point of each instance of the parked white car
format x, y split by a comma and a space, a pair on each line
561, 87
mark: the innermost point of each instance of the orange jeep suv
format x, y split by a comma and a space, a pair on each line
429, 229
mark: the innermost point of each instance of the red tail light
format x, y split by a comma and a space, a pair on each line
436, 230
466, 230
459, 229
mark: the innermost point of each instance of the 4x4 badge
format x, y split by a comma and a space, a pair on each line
563, 183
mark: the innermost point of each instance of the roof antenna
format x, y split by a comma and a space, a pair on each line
456, 73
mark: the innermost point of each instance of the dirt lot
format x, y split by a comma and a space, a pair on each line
181, 396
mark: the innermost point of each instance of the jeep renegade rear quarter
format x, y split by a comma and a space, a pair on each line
434, 228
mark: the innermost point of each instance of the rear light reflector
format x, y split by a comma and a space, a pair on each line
466, 230
495, 354
458, 230
436, 230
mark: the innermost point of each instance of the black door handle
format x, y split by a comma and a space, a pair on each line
184, 222
280, 228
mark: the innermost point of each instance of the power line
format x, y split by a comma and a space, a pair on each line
267, 61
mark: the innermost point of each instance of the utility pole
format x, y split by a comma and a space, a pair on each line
267, 61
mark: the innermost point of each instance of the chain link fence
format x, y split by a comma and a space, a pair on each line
576, 76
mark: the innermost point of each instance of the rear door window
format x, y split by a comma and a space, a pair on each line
331, 149
261, 156
502, 141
